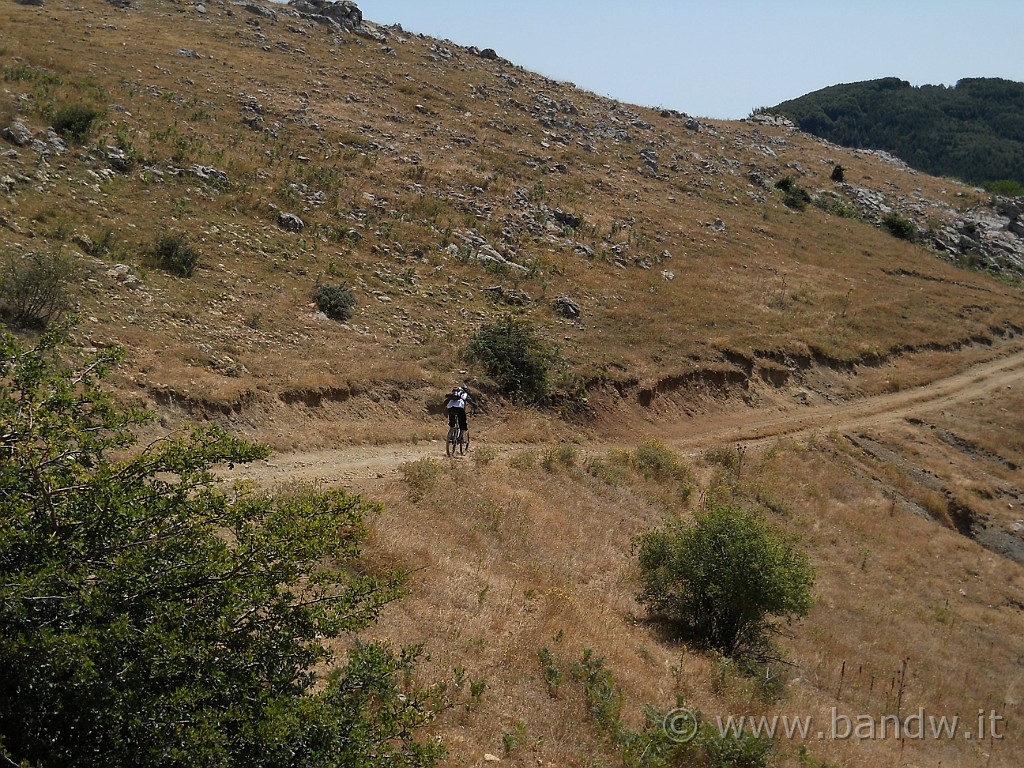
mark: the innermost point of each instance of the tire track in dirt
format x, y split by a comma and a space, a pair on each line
363, 465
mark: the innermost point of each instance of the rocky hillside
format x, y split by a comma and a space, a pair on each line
295, 145
196, 175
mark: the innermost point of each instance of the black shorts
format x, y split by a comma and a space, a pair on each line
458, 414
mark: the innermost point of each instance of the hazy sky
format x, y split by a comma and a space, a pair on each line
723, 59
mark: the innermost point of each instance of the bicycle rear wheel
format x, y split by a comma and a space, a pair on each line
454, 439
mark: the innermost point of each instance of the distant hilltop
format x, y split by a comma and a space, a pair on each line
973, 131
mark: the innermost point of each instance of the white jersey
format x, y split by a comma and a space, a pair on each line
458, 398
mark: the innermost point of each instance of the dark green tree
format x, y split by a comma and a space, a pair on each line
723, 579
75, 122
151, 617
518, 360
172, 252
35, 288
973, 131
336, 301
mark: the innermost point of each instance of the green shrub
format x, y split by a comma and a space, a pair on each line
514, 356
174, 254
149, 617
524, 460
900, 227
484, 455
654, 459
722, 579
795, 196
421, 476
603, 694
723, 456
1004, 187
659, 743
551, 671
75, 122
36, 288
335, 301
830, 202
731, 750
610, 470
560, 456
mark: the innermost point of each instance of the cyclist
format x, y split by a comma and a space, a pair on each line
455, 401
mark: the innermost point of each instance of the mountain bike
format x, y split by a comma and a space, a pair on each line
457, 441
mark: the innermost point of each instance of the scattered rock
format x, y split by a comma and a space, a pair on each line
566, 307
776, 120
345, 13
207, 173
291, 222
124, 275
259, 10
511, 296
16, 133
568, 219
650, 158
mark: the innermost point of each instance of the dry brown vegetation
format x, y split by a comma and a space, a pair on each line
693, 332
501, 574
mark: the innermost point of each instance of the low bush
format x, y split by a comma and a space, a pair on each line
795, 196
830, 202
722, 579
484, 455
1004, 187
335, 301
75, 122
518, 360
173, 253
36, 288
654, 459
679, 736
421, 476
562, 456
899, 226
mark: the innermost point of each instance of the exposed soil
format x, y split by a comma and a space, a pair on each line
740, 426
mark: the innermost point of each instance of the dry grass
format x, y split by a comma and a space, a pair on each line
511, 557
342, 122
528, 548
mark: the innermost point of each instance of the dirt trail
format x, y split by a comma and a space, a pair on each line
362, 465
974, 383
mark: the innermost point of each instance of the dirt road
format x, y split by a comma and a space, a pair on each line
362, 465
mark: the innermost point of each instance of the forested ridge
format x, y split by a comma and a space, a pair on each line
973, 131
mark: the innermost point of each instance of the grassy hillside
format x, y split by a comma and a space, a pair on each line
447, 189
